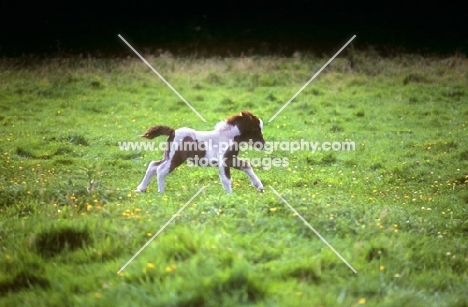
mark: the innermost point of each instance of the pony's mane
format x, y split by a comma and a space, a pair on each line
223, 126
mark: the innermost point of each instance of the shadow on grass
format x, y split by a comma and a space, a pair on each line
21, 281
51, 243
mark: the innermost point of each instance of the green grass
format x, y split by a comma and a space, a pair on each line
395, 208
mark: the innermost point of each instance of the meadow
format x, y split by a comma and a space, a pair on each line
396, 208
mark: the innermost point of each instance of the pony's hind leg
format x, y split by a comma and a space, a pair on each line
163, 171
168, 166
150, 172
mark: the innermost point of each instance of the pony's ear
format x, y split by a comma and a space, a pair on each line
246, 113
244, 119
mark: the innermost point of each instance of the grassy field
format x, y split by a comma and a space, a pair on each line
396, 208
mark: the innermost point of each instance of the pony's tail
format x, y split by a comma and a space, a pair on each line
156, 131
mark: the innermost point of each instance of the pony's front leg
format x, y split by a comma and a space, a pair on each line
246, 168
225, 175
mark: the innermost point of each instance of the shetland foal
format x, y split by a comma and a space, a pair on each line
207, 148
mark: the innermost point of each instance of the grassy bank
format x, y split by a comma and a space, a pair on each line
395, 208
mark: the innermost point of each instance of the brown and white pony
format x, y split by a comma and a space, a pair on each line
219, 147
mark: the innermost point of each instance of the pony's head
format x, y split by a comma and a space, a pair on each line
250, 128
